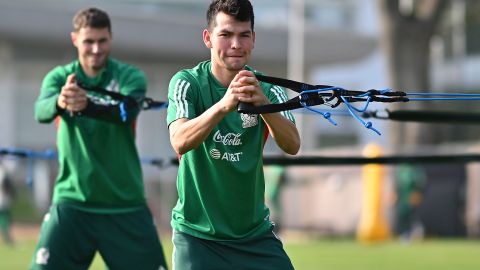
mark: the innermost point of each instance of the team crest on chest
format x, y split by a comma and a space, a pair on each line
106, 100
113, 86
249, 120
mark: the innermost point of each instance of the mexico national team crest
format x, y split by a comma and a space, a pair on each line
249, 120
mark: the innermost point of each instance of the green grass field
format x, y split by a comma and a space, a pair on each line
328, 255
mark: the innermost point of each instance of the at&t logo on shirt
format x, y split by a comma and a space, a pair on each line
215, 154
234, 157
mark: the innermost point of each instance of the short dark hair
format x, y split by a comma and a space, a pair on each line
241, 10
91, 17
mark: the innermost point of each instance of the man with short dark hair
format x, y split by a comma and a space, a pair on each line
220, 220
99, 199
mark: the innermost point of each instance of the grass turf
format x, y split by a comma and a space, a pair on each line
327, 255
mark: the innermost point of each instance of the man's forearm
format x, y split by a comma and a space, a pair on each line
112, 113
186, 135
283, 131
46, 109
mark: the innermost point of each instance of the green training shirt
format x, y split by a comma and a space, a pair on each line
99, 167
220, 183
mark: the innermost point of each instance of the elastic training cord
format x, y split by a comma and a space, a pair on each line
304, 98
313, 95
29, 155
351, 109
326, 115
369, 95
164, 105
443, 96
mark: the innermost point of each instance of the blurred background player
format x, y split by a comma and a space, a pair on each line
99, 199
410, 181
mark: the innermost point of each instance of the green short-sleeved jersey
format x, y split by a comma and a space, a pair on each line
99, 167
220, 183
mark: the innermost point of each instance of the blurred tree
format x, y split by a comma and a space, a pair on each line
408, 26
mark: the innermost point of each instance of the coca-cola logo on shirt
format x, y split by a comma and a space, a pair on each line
227, 139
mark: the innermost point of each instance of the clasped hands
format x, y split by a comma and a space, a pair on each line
244, 88
72, 98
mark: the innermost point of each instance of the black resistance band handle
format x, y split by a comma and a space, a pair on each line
244, 107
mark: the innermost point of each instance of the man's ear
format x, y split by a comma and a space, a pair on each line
73, 37
207, 38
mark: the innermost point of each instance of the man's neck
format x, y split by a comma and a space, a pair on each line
90, 73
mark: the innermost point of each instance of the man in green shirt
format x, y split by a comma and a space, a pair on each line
220, 220
98, 201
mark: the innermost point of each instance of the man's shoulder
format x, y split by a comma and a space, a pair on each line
61, 71
199, 71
